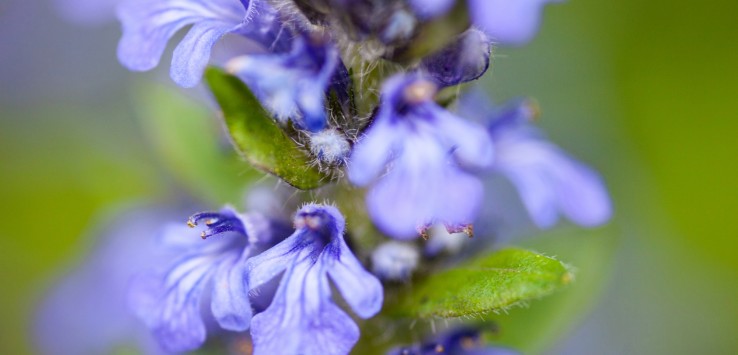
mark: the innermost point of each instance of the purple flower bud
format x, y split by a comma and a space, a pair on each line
465, 59
395, 261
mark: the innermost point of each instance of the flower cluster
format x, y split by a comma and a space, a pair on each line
354, 83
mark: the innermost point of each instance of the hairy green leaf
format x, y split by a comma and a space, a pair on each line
257, 137
489, 283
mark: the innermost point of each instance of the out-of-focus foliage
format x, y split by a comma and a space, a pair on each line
186, 137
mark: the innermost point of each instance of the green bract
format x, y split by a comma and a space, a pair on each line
257, 136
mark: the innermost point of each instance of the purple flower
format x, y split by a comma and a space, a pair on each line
429, 151
87, 12
86, 312
465, 59
431, 8
168, 299
510, 22
548, 180
302, 318
148, 26
506, 21
460, 341
293, 85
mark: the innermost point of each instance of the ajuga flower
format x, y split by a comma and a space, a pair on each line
428, 150
293, 85
86, 313
302, 318
210, 265
148, 26
548, 180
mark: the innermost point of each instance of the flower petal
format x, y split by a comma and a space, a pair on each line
361, 290
169, 303
302, 308
267, 265
230, 304
470, 142
581, 193
192, 54
431, 8
372, 152
509, 22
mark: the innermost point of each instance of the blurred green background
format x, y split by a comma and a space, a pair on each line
645, 91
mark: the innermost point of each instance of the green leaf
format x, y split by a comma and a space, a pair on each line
534, 329
186, 137
489, 283
257, 137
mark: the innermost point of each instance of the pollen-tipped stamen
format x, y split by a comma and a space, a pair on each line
217, 223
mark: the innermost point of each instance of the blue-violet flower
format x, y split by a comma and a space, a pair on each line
169, 299
293, 85
148, 26
302, 318
429, 150
548, 180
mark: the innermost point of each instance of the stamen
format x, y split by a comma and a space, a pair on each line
467, 229
217, 223
197, 217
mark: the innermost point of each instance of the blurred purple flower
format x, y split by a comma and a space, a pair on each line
465, 59
86, 312
302, 318
459, 341
509, 22
293, 85
428, 149
395, 261
168, 299
548, 180
87, 12
148, 26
